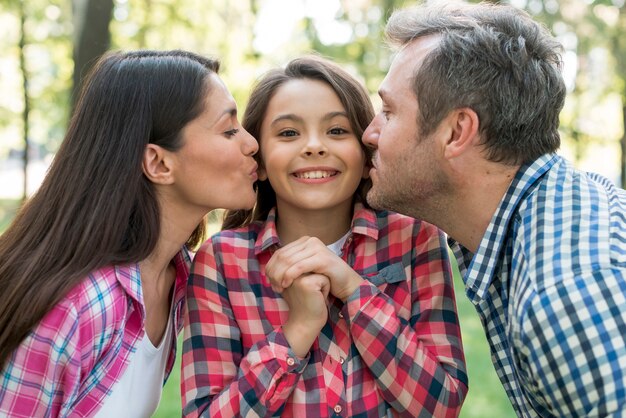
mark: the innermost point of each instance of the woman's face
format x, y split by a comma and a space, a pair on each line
215, 166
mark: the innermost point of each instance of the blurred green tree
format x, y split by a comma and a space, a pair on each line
592, 33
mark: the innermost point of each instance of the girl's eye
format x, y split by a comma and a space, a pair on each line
288, 133
231, 132
385, 114
337, 131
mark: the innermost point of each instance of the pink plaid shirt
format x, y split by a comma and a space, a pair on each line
393, 349
70, 361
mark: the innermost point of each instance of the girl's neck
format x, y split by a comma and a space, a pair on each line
328, 225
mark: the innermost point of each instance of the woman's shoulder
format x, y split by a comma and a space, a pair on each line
99, 298
83, 325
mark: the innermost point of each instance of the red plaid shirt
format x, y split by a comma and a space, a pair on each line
393, 349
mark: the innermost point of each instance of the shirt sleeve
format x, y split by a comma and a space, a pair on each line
218, 378
42, 376
569, 343
418, 363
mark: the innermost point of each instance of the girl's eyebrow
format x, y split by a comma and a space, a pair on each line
289, 116
295, 118
331, 115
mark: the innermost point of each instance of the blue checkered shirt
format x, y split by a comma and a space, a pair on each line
548, 281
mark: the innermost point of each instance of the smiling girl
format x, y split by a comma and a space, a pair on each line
312, 304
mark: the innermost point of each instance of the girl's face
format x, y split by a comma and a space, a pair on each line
309, 153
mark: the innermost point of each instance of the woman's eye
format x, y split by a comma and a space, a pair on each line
288, 133
385, 114
231, 132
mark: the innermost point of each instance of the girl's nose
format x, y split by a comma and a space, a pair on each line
315, 145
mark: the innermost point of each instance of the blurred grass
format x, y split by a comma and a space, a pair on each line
486, 397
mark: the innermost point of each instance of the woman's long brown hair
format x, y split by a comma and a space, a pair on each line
95, 207
352, 95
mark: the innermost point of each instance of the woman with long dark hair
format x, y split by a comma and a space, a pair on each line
93, 268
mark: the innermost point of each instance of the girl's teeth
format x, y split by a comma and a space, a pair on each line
314, 175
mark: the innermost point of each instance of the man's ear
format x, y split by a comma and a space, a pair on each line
463, 134
157, 165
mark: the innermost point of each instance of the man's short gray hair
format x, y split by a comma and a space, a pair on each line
494, 59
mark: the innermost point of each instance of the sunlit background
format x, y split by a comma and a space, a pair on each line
251, 36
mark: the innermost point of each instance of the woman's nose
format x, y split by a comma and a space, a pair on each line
251, 146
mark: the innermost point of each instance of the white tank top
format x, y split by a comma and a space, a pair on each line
138, 392
337, 246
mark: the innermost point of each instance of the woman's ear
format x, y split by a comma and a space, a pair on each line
262, 172
463, 133
157, 165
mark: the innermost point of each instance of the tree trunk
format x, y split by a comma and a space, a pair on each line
25, 113
92, 36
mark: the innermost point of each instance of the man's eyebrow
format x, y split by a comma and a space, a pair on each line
384, 95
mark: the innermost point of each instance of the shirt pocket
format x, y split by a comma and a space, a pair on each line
392, 281
393, 273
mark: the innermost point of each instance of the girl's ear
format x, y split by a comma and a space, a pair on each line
366, 170
261, 172
157, 165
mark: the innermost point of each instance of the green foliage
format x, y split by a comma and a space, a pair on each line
49, 71
595, 48
8, 207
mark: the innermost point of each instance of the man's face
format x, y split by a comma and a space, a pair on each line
405, 171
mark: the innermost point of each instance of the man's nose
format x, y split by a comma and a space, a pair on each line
371, 133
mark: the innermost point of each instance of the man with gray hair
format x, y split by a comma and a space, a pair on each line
466, 140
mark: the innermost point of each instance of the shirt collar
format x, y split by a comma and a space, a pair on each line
129, 276
481, 268
364, 222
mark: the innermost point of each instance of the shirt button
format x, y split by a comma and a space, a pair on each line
290, 361
342, 360
337, 409
340, 315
